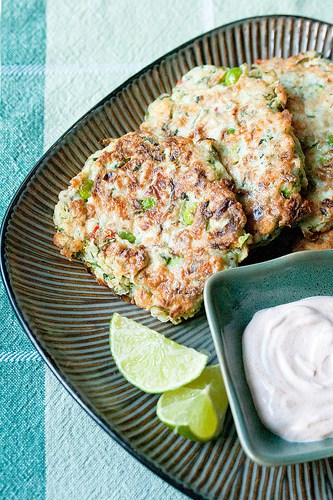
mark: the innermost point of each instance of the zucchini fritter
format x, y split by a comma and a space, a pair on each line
308, 80
244, 113
152, 220
324, 241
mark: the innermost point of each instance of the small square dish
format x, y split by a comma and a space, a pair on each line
231, 299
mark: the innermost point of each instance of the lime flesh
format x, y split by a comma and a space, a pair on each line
149, 360
196, 411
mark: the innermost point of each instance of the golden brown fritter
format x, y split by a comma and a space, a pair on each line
308, 80
152, 219
324, 241
252, 133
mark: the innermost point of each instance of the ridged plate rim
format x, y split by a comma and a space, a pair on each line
16, 200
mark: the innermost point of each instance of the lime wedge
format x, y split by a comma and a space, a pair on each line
196, 411
149, 360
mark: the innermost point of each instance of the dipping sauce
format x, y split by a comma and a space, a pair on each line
288, 360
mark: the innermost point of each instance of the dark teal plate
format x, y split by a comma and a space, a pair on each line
231, 299
66, 313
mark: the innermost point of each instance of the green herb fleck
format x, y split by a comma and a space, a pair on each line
108, 276
243, 239
232, 76
122, 163
189, 212
173, 261
148, 203
231, 131
275, 105
127, 236
286, 192
85, 189
166, 258
267, 137
330, 140
149, 139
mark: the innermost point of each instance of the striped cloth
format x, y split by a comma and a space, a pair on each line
58, 58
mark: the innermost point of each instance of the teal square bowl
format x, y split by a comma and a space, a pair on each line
231, 299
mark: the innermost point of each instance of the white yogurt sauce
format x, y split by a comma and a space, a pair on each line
288, 360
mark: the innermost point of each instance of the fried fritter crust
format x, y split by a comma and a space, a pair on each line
308, 80
159, 219
253, 135
324, 241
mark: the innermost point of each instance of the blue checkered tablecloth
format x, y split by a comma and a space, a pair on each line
58, 58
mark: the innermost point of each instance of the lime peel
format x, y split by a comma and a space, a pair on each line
196, 411
150, 361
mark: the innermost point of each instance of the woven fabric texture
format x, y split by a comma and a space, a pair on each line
58, 58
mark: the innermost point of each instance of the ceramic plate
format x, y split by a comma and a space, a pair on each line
66, 313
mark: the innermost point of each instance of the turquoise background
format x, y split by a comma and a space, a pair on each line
58, 58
